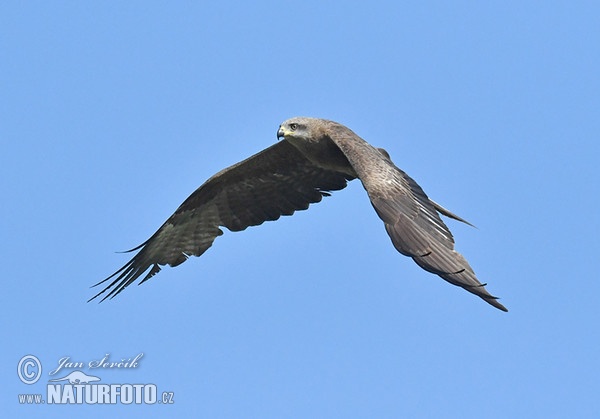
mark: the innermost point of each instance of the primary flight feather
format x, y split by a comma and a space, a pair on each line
313, 158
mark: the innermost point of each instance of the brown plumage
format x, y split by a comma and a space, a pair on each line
315, 157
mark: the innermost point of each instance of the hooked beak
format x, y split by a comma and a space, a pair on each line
280, 133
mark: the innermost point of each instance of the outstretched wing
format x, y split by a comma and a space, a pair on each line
411, 219
274, 182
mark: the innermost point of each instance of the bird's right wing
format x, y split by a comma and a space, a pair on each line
276, 181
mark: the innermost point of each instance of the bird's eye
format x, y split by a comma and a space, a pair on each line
293, 127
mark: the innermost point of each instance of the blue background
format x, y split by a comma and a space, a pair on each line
112, 113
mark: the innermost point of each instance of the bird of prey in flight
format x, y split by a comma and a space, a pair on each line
313, 158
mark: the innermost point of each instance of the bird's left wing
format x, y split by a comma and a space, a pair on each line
276, 181
411, 219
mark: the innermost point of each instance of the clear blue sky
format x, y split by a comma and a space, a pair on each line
112, 114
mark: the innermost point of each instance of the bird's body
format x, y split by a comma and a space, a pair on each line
315, 157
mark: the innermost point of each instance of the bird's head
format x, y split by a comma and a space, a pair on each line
298, 128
